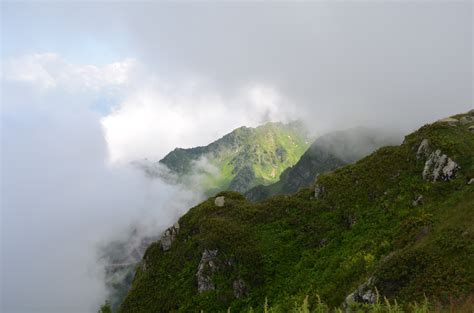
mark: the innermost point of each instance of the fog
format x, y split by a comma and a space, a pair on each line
61, 200
89, 87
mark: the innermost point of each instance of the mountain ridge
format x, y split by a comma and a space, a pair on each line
242, 158
326, 153
398, 222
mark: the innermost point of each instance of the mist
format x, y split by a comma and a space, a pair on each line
88, 88
61, 200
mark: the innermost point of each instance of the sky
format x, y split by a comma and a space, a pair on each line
87, 87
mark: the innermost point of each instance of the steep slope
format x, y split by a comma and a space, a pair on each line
400, 220
243, 158
327, 153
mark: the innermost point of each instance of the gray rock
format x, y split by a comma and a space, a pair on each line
319, 191
471, 112
471, 129
451, 121
466, 120
439, 167
206, 268
423, 150
169, 236
219, 201
240, 289
471, 181
363, 294
417, 201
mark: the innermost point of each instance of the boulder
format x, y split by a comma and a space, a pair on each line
319, 191
206, 268
239, 287
219, 201
417, 201
471, 129
439, 167
169, 236
423, 150
471, 181
365, 293
451, 121
466, 120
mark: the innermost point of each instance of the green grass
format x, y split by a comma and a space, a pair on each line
364, 225
268, 150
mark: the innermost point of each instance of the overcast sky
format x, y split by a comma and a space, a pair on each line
87, 87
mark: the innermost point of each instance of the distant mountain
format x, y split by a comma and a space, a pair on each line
398, 223
242, 159
327, 153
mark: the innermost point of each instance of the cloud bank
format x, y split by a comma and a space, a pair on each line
154, 118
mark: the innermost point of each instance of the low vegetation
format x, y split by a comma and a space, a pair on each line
376, 222
242, 159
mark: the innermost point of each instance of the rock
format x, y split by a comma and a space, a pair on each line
240, 289
471, 181
423, 150
471, 112
219, 201
466, 120
471, 129
319, 191
206, 268
169, 236
451, 121
363, 294
417, 201
439, 167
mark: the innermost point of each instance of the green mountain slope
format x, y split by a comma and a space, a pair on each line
243, 158
400, 221
327, 153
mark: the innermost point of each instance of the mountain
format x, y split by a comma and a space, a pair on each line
237, 161
398, 223
242, 159
327, 153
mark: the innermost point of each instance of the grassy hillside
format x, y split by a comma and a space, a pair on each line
379, 224
243, 158
327, 153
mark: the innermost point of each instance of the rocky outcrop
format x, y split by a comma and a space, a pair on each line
219, 201
451, 121
439, 167
239, 287
423, 150
319, 191
206, 268
471, 181
471, 129
418, 201
466, 120
365, 293
169, 236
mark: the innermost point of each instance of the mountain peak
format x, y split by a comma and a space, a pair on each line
243, 158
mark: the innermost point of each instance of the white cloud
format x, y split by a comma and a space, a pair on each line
50, 70
151, 116
59, 197
156, 118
